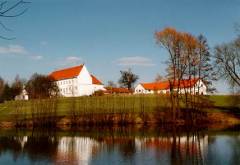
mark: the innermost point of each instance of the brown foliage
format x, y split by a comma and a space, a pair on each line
185, 62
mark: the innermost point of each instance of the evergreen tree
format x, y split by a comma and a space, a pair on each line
205, 69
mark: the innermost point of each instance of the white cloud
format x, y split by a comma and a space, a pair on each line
134, 61
43, 43
69, 61
37, 57
18, 50
13, 49
73, 58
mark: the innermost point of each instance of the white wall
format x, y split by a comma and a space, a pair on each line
68, 87
79, 86
84, 77
140, 90
201, 87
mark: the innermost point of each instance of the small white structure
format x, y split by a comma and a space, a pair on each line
22, 96
76, 81
193, 86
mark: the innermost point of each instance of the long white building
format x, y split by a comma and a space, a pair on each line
76, 81
193, 86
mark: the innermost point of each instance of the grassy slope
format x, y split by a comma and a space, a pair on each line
104, 104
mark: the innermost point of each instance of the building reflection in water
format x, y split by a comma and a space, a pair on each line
81, 150
22, 140
167, 149
76, 150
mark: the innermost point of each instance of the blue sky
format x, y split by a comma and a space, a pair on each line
108, 35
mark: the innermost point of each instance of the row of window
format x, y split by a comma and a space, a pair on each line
68, 90
162, 92
62, 82
140, 91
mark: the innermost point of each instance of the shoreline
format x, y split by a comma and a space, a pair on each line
112, 120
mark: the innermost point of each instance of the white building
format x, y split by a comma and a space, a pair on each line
194, 86
23, 95
76, 81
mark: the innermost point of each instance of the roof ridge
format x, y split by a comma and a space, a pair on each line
158, 82
166, 84
67, 72
68, 68
155, 82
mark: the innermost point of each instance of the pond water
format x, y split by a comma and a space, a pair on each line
120, 146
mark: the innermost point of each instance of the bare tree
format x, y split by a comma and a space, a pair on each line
189, 59
111, 84
127, 79
158, 78
10, 10
173, 41
227, 61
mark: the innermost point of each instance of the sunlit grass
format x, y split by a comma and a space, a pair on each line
108, 104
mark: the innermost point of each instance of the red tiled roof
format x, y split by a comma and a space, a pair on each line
166, 85
66, 73
95, 80
156, 85
71, 73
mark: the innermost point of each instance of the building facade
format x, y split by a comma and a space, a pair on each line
76, 81
194, 86
23, 95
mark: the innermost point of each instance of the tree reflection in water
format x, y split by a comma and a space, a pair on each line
121, 147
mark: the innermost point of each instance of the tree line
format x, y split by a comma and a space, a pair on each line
41, 86
38, 87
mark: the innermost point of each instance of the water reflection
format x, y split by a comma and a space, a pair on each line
77, 150
166, 148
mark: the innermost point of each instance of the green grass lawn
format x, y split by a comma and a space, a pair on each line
99, 104
84, 105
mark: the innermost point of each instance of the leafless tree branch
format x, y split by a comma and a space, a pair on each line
4, 11
10, 12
